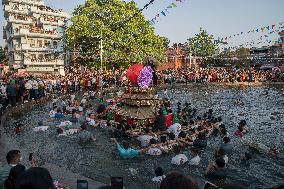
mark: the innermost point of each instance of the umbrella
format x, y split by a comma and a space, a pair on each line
133, 72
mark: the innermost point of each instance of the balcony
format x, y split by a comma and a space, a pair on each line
35, 2
28, 47
9, 9
50, 12
52, 23
46, 63
19, 21
26, 32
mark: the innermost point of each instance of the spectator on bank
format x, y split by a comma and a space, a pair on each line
176, 180
13, 158
15, 172
35, 178
12, 93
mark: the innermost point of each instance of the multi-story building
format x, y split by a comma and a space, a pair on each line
33, 34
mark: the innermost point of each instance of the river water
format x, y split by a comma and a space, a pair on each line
261, 106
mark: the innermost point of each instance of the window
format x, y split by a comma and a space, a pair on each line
55, 43
31, 42
40, 57
39, 43
46, 43
15, 7
33, 57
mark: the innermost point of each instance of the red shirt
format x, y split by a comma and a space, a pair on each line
238, 133
169, 120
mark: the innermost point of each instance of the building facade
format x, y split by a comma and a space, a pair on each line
33, 34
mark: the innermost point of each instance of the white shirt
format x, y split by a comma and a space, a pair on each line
35, 84
154, 152
65, 123
144, 140
179, 159
91, 122
52, 113
28, 85
3, 89
69, 132
83, 101
72, 98
194, 161
175, 129
40, 128
226, 159
158, 179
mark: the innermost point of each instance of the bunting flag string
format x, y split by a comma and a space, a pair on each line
260, 29
265, 33
165, 12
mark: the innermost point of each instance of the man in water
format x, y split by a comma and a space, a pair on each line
84, 135
126, 152
216, 169
226, 145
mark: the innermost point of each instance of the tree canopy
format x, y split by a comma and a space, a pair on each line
127, 36
2, 55
202, 44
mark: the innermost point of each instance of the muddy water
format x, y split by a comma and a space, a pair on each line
262, 107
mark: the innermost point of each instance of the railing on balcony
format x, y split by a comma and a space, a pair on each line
35, 2
8, 8
52, 23
44, 63
20, 20
29, 32
28, 47
49, 12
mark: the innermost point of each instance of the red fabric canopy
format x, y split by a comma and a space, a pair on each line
133, 73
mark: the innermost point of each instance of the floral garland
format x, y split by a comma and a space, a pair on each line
145, 77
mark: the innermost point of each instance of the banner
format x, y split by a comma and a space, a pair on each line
174, 4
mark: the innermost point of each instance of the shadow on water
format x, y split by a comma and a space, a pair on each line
262, 107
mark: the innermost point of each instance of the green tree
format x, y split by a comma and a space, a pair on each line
243, 56
166, 42
127, 36
2, 55
202, 44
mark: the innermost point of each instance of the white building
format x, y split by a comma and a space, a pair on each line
33, 34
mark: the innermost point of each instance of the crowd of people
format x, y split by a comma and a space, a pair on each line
19, 89
172, 132
222, 75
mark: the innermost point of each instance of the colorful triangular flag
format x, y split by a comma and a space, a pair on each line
174, 5
273, 26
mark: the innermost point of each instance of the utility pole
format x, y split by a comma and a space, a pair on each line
101, 51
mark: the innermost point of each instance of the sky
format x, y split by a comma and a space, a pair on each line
220, 18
